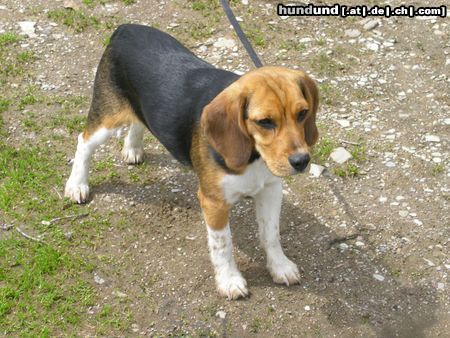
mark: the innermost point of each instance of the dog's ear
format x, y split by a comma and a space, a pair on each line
223, 123
311, 94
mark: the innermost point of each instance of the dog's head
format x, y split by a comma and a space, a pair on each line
272, 110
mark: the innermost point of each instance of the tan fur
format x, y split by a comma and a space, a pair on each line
270, 92
212, 202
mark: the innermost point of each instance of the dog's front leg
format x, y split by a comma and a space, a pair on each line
268, 207
229, 280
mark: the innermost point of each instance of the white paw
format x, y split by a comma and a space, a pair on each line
284, 272
232, 287
77, 193
133, 155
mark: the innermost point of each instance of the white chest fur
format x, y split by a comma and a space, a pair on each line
255, 177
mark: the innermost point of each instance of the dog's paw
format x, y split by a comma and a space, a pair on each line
284, 272
77, 193
232, 287
133, 155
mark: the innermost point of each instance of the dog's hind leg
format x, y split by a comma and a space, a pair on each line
133, 147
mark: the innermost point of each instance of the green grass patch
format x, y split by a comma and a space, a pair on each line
323, 64
346, 170
323, 149
78, 20
329, 94
256, 36
27, 56
437, 169
293, 45
4, 104
8, 39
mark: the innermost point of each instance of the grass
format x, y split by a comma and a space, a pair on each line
323, 150
326, 145
8, 39
293, 45
78, 20
329, 94
256, 36
44, 290
437, 169
323, 64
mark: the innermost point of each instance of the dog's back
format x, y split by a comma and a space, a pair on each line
165, 84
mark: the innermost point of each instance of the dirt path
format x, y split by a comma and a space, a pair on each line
371, 237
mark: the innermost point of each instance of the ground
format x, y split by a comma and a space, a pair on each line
370, 236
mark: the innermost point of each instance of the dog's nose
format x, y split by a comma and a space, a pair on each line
299, 161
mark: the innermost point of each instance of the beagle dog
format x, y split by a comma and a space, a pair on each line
240, 134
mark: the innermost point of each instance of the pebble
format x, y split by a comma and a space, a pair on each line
27, 28
352, 33
372, 46
432, 138
316, 170
71, 4
371, 25
340, 155
343, 246
440, 286
403, 213
343, 123
359, 243
221, 314
135, 327
307, 308
224, 43
418, 222
98, 280
378, 277
429, 263
119, 294
382, 199
390, 164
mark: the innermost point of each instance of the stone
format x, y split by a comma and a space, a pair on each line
352, 33
316, 170
369, 25
27, 28
343, 123
224, 43
307, 308
119, 294
432, 138
98, 280
403, 213
70, 4
343, 246
378, 277
373, 46
221, 314
340, 155
390, 164
418, 222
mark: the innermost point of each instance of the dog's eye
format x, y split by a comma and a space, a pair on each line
301, 116
266, 123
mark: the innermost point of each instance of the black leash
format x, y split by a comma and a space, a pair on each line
248, 47
257, 61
